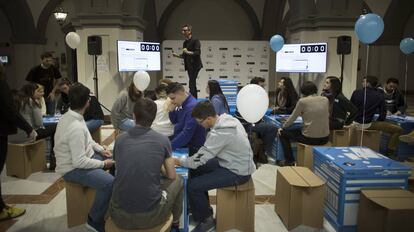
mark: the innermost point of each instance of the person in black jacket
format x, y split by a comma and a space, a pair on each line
371, 101
394, 100
342, 111
286, 97
10, 119
191, 55
93, 116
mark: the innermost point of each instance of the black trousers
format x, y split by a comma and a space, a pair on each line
3, 155
192, 75
48, 131
287, 136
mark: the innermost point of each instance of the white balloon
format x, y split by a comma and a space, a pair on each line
141, 80
252, 102
72, 40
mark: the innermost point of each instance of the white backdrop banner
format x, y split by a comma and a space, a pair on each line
232, 60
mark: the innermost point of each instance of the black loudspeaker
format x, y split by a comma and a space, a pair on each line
94, 45
344, 45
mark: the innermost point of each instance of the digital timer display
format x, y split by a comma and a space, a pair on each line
313, 48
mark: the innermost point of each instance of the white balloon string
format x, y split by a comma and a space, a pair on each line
365, 98
405, 81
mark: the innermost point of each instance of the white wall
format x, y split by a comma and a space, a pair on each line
109, 80
333, 60
211, 20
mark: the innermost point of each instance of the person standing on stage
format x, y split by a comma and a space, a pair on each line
191, 55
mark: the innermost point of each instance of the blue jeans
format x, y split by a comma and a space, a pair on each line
126, 124
94, 124
207, 177
99, 180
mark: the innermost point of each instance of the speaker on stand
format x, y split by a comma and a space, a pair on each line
95, 49
343, 48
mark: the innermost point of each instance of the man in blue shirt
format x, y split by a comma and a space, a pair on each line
187, 132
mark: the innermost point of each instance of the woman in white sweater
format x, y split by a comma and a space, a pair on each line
162, 123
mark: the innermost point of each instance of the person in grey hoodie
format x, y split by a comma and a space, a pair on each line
123, 108
225, 159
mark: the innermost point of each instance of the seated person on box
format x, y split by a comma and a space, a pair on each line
394, 99
286, 97
342, 111
265, 131
217, 98
314, 110
93, 116
225, 159
123, 107
162, 123
187, 132
141, 197
374, 103
79, 159
27, 102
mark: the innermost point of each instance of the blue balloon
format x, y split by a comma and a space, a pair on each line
407, 45
276, 42
369, 28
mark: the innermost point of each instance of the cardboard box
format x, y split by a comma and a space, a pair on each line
79, 200
386, 210
299, 197
25, 159
348, 169
235, 208
339, 138
304, 156
371, 139
96, 136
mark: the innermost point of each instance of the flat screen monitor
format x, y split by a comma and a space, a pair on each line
4, 59
138, 56
302, 58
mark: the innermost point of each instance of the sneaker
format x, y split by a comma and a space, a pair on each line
93, 226
10, 212
407, 138
208, 225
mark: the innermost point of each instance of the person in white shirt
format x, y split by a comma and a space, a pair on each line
80, 159
162, 123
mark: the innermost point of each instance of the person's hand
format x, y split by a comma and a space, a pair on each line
107, 153
389, 113
170, 106
185, 51
108, 163
51, 96
175, 54
32, 135
276, 107
279, 131
398, 113
176, 161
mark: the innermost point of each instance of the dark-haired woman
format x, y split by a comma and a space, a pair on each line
27, 102
217, 97
286, 97
342, 111
123, 108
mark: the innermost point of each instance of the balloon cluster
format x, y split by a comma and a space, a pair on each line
369, 28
